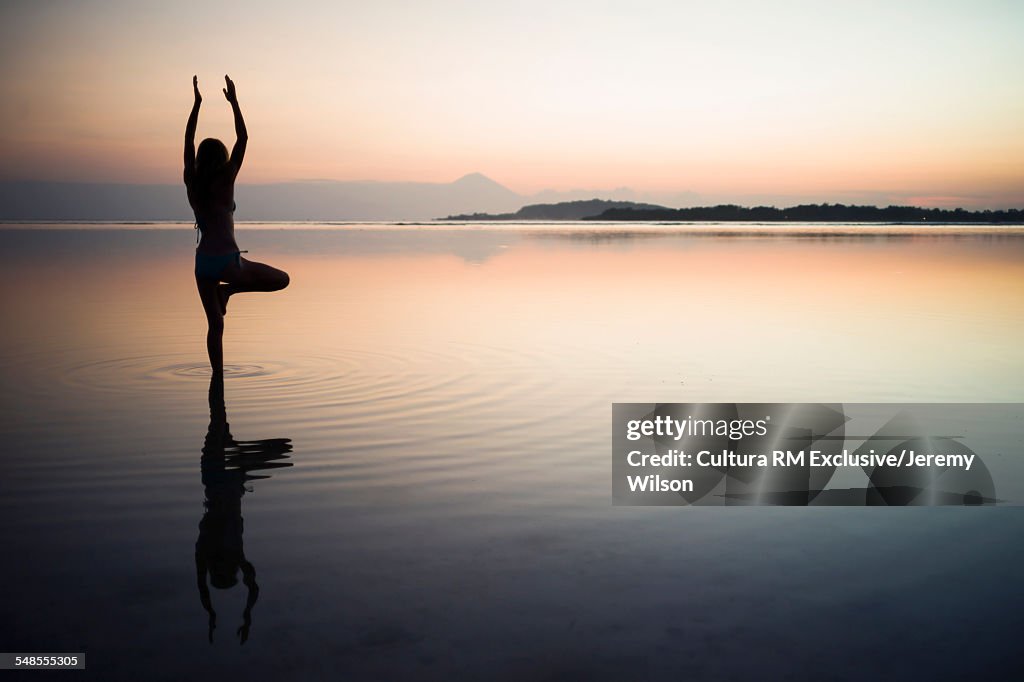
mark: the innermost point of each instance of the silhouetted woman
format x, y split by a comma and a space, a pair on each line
220, 269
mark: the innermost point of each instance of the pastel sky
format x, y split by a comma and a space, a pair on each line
921, 102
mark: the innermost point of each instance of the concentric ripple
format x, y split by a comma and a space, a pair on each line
202, 370
152, 372
382, 396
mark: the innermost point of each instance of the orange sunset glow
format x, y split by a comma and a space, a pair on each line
692, 102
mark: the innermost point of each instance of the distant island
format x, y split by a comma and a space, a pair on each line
565, 210
602, 210
824, 213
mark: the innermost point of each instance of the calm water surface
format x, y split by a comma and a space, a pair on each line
418, 443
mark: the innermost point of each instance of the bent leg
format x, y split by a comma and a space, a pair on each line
209, 294
253, 276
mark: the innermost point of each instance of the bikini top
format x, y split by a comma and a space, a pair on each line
199, 227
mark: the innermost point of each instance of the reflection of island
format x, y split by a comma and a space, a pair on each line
597, 209
226, 466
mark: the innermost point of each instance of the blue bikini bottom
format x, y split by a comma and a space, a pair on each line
210, 266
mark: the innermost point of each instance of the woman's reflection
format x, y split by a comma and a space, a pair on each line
227, 465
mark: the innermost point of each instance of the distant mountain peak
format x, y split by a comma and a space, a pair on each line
477, 179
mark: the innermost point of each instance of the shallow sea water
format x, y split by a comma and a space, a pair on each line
419, 465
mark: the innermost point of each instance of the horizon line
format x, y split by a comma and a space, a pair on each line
572, 190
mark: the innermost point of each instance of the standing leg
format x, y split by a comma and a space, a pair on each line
209, 293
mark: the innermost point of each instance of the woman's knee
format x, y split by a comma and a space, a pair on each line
283, 280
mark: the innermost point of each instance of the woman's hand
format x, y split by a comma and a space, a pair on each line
229, 91
195, 89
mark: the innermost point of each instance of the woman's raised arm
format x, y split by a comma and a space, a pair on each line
190, 133
241, 136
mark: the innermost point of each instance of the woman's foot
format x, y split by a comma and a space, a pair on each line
222, 298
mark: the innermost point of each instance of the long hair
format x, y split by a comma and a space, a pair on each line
211, 158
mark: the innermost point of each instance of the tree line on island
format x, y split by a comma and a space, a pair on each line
603, 210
